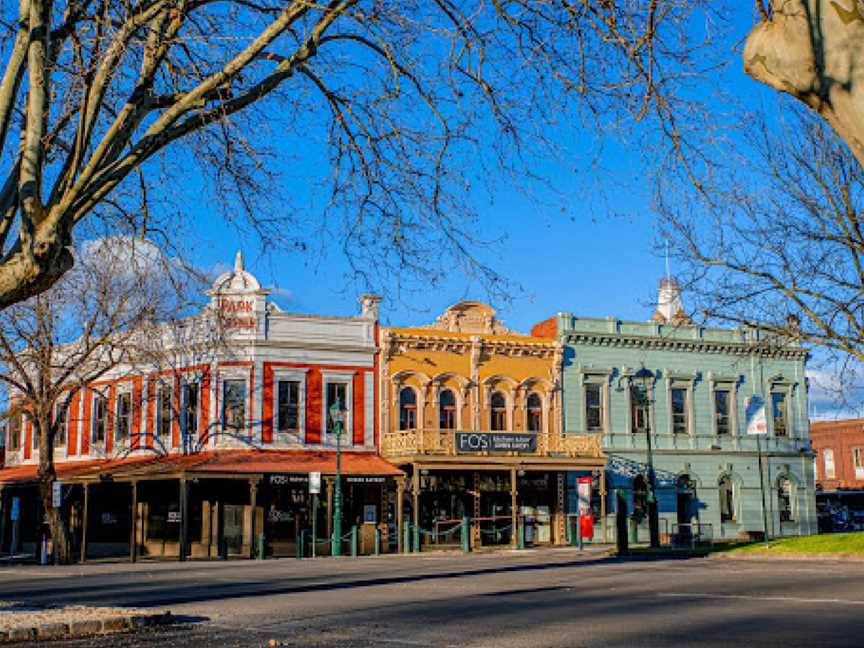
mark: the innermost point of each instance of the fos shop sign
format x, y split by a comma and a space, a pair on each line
471, 442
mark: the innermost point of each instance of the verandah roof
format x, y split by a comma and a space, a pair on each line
239, 462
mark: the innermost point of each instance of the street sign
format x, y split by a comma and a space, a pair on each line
56, 495
15, 513
314, 483
755, 415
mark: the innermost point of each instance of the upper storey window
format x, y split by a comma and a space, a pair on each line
828, 459
638, 409
288, 410
337, 392
593, 407
780, 412
191, 398
535, 413
234, 405
447, 410
680, 424
407, 409
100, 414
61, 421
722, 410
163, 415
123, 426
498, 412
14, 441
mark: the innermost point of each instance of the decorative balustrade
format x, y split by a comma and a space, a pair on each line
406, 443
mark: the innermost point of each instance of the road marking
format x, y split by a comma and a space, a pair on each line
746, 597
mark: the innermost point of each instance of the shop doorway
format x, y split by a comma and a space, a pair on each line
232, 530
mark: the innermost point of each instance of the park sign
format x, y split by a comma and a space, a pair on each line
755, 416
476, 442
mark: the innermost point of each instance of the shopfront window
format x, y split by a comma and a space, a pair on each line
498, 412
234, 406
535, 413
407, 409
288, 408
640, 498
447, 410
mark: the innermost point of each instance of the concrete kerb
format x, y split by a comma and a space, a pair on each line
85, 628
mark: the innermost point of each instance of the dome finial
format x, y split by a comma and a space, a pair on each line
238, 261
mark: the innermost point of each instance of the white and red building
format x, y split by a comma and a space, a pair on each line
214, 444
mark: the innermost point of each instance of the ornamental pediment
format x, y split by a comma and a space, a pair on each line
471, 317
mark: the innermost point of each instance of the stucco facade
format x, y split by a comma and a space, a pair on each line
701, 382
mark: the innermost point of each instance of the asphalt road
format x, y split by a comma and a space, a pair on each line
535, 598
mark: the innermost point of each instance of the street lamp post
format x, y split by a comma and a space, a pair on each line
645, 380
337, 417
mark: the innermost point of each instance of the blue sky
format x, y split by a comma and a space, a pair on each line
594, 258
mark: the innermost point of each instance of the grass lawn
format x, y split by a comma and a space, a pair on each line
828, 543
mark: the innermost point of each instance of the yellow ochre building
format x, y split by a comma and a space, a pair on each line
472, 412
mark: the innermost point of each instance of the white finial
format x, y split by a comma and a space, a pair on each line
238, 262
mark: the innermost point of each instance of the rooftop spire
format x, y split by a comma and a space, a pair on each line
238, 261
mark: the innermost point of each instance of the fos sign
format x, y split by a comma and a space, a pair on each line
470, 442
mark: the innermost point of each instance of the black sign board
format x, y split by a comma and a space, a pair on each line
468, 442
364, 479
278, 480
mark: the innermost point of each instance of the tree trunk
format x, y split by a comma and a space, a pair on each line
47, 476
814, 50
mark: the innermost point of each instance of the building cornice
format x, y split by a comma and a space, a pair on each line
654, 343
542, 349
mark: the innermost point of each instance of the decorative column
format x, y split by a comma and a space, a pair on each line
133, 536
84, 520
476, 350
603, 503
253, 505
328, 481
184, 515
514, 520
415, 493
400, 512
476, 539
560, 514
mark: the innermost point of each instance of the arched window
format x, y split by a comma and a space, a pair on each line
535, 413
407, 409
785, 505
447, 410
727, 499
640, 497
499, 412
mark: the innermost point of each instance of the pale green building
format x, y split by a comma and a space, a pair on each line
696, 413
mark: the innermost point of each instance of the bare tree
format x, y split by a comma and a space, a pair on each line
100, 318
814, 50
409, 100
782, 247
